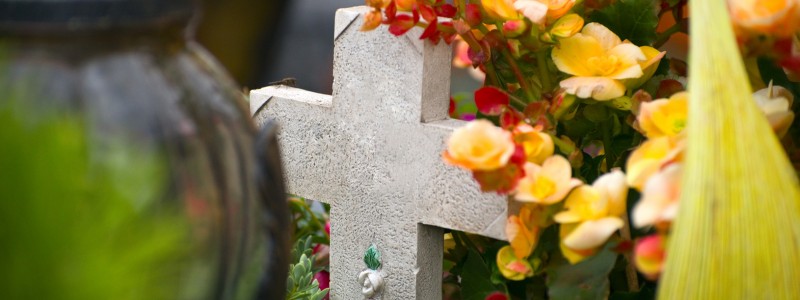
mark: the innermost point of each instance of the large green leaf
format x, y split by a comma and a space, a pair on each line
476, 281
585, 280
634, 20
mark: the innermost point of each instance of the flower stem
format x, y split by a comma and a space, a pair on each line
526, 87
544, 75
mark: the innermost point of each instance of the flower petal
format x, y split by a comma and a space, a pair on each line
572, 54
607, 38
613, 187
532, 9
599, 88
593, 233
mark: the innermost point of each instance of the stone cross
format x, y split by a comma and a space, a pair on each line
373, 151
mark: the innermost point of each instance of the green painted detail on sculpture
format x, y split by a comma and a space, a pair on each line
372, 257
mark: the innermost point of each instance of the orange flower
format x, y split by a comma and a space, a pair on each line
775, 17
479, 146
538, 146
522, 232
664, 117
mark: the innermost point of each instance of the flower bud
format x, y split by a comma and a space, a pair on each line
649, 256
567, 26
514, 28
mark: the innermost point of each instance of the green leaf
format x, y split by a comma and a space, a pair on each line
585, 280
475, 278
634, 20
372, 257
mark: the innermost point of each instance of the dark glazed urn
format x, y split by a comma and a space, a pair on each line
131, 71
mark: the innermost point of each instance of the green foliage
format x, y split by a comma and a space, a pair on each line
301, 283
476, 276
634, 20
71, 227
585, 280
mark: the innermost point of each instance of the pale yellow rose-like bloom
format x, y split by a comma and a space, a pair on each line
538, 145
599, 61
543, 12
773, 17
500, 10
651, 156
595, 211
659, 202
480, 145
664, 117
546, 184
776, 103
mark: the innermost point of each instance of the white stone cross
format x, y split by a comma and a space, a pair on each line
373, 151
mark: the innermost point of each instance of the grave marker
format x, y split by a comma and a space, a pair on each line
373, 151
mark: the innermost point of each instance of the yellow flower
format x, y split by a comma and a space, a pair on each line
538, 146
568, 26
599, 60
500, 10
512, 267
543, 12
649, 66
776, 103
546, 184
664, 117
479, 146
522, 232
592, 215
650, 157
659, 202
573, 256
775, 17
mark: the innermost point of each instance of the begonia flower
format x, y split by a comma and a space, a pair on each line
649, 66
776, 103
649, 256
512, 267
522, 232
538, 145
774, 17
664, 117
480, 145
592, 214
599, 61
659, 202
650, 157
500, 10
543, 12
546, 184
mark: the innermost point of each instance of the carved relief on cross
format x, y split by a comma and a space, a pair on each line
373, 151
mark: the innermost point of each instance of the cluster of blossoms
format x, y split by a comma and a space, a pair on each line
565, 98
654, 168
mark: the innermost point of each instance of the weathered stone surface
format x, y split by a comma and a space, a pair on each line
373, 151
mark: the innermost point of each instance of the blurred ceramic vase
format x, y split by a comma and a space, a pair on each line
131, 71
